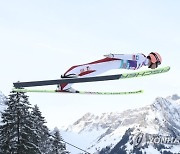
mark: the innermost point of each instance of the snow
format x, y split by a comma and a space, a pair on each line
128, 147
84, 140
2, 98
2, 105
174, 149
150, 150
93, 132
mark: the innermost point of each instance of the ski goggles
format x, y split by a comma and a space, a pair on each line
158, 63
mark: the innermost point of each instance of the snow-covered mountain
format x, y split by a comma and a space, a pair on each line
115, 132
2, 103
2, 98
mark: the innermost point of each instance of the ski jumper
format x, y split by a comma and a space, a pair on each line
117, 61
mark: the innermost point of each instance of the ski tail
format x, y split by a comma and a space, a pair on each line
78, 92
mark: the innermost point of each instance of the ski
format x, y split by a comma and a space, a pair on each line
92, 79
78, 92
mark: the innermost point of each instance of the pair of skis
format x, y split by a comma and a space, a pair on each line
20, 85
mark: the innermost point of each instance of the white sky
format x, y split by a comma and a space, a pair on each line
41, 39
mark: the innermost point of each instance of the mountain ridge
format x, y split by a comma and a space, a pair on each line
162, 117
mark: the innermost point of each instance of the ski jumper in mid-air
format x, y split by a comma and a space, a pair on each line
110, 62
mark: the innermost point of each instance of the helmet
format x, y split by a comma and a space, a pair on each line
155, 58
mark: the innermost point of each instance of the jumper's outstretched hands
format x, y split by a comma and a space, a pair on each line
109, 55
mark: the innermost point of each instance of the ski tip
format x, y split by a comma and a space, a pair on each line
141, 91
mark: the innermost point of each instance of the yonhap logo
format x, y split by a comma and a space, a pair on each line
138, 140
142, 138
159, 139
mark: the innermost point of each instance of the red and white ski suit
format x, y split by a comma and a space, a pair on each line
112, 61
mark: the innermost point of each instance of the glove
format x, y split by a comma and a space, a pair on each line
109, 55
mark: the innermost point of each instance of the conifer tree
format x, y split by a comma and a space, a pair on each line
41, 130
58, 147
16, 132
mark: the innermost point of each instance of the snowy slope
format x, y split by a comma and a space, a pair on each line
93, 133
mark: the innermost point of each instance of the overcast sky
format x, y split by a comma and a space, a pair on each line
41, 39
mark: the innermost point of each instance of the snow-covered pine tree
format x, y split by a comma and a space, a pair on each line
41, 130
58, 147
16, 132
